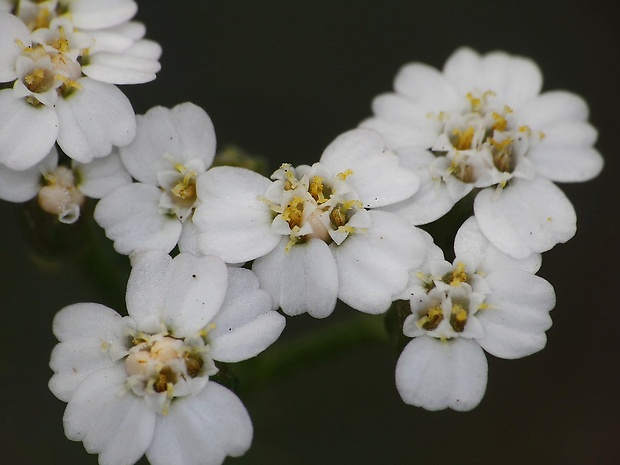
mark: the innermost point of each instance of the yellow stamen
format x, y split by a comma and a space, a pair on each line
344, 175
431, 320
463, 139
458, 318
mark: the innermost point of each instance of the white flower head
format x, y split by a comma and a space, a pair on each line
141, 384
483, 123
52, 101
314, 232
483, 301
85, 14
61, 190
172, 148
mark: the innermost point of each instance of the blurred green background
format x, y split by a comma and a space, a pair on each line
282, 79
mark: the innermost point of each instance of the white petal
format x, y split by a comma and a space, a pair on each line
86, 331
11, 30
514, 79
117, 68
131, 218
433, 199
518, 316
427, 86
527, 216
188, 242
102, 176
28, 132
553, 107
374, 265
397, 135
302, 279
20, 186
145, 49
246, 324
202, 430
470, 240
435, 374
462, 67
234, 223
566, 164
93, 119
92, 14
376, 175
147, 287
74, 321
109, 419
182, 133
196, 291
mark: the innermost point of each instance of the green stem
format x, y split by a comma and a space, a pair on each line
285, 358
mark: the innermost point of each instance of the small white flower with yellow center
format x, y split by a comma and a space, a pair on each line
171, 149
61, 190
484, 301
482, 123
85, 14
141, 384
314, 232
52, 101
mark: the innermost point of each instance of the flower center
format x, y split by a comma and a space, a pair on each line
186, 187
59, 195
481, 141
161, 367
313, 206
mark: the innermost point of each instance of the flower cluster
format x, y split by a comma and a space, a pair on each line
220, 254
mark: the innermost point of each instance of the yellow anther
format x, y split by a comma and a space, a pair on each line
431, 320
316, 189
500, 122
42, 20
463, 139
291, 181
340, 214
62, 43
474, 102
458, 275
186, 189
458, 318
37, 80
207, 329
345, 174
293, 214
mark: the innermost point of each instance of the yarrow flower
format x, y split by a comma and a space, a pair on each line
172, 148
85, 14
313, 231
484, 300
61, 190
483, 124
52, 95
141, 384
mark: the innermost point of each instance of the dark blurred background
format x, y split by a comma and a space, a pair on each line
282, 79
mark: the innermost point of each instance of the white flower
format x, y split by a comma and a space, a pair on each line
313, 232
483, 123
62, 190
85, 14
484, 300
140, 384
171, 149
52, 101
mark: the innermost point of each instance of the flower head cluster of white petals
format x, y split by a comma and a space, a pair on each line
172, 148
313, 232
141, 384
62, 190
486, 300
482, 123
60, 61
